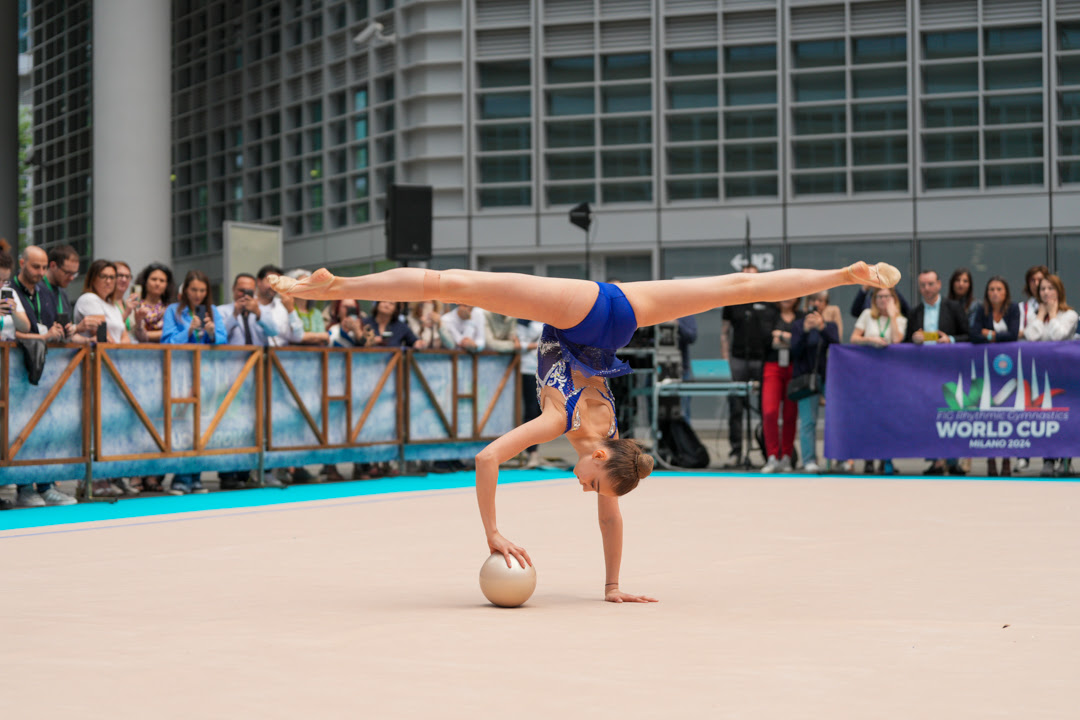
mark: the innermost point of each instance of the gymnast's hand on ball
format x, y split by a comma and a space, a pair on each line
497, 543
616, 595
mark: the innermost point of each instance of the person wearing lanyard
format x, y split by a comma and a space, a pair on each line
32, 265
64, 268
32, 268
126, 305
879, 326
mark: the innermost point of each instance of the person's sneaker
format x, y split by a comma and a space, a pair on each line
772, 465
270, 481
1022, 464
178, 488
811, 467
868, 468
6, 504
125, 487
1048, 469
785, 464
52, 496
533, 461
197, 487
104, 488
26, 496
887, 468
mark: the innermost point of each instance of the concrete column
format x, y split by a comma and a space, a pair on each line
132, 111
9, 122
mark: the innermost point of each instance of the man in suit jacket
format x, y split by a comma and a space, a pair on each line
936, 313
947, 318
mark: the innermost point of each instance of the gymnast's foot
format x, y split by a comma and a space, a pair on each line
313, 287
882, 275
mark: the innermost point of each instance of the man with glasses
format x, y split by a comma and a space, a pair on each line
39, 304
63, 269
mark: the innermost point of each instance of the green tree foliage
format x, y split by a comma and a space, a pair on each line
25, 139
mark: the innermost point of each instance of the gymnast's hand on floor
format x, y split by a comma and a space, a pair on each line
498, 544
313, 287
615, 595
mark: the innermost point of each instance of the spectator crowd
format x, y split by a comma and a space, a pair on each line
43, 302
781, 345
776, 344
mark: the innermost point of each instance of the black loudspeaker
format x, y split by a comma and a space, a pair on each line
408, 222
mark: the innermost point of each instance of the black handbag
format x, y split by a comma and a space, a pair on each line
805, 386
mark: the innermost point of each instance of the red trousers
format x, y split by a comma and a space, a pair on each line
774, 394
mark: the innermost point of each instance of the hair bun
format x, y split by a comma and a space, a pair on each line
644, 464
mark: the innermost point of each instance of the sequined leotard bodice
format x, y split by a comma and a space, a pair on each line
556, 372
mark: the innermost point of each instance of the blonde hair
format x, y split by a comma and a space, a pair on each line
873, 301
417, 308
627, 464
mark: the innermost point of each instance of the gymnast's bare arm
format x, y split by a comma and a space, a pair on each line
548, 426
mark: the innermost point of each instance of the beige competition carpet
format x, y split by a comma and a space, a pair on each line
779, 598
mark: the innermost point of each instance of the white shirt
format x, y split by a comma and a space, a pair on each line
529, 334
879, 327
91, 304
1029, 305
1062, 327
7, 322
458, 328
275, 326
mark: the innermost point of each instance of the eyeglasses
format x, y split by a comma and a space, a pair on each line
71, 275
123, 276
106, 277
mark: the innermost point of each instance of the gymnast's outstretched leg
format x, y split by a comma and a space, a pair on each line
559, 302
656, 301
563, 303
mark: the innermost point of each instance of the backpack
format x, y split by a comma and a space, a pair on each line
679, 445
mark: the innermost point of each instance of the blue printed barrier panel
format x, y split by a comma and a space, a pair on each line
58, 434
431, 408
432, 386
953, 401
492, 370
301, 435
125, 436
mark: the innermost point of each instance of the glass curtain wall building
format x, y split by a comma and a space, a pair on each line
931, 133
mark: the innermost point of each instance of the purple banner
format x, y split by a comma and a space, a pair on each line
953, 401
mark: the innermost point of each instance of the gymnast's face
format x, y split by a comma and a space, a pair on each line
592, 473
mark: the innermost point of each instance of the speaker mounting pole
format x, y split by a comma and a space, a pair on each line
581, 215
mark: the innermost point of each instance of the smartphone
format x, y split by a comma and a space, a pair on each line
250, 292
930, 335
63, 318
7, 293
387, 334
103, 333
136, 290
200, 312
354, 311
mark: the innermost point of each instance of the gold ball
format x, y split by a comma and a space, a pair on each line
506, 586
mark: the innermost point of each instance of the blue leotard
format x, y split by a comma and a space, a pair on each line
589, 348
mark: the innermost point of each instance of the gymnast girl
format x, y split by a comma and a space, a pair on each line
585, 323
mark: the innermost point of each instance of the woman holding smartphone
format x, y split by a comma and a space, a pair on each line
385, 329
192, 320
96, 302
